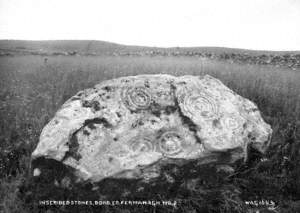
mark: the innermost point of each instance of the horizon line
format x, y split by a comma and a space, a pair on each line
145, 46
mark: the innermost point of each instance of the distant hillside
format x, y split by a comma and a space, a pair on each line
60, 46
289, 59
87, 46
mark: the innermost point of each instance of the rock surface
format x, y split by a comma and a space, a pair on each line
130, 126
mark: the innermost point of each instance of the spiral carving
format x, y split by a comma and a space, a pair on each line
231, 122
136, 98
170, 143
198, 104
141, 144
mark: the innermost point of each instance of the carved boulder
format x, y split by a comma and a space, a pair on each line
130, 126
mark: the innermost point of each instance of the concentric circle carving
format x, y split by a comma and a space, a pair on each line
170, 143
136, 98
231, 122
200, 105
141, 144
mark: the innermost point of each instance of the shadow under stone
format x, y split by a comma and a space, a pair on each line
191, 180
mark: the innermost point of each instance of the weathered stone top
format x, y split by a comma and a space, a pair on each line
122, 126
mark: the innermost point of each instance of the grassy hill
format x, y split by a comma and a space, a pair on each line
60, 46
289, 59
90, 46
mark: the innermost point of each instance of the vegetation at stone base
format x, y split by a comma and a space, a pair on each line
31, 90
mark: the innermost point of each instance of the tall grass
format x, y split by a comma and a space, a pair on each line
31, 90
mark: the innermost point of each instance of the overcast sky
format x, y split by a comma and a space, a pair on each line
252, 24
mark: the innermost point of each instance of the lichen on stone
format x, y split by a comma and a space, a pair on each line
129, 127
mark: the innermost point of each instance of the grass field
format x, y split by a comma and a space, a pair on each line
32, 89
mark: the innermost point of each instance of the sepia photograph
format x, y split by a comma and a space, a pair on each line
139, 106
